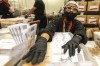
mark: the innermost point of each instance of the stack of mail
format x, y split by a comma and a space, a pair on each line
58, 57
15, 51
10, 48
32, 32
21, 32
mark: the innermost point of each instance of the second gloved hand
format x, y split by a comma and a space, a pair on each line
37, 52
72, 45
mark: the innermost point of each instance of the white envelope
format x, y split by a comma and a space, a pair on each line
12, 31
18, 32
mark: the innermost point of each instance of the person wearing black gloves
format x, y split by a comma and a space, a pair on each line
38, 10
5, 9
64, 23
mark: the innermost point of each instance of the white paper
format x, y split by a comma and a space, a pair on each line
4, 59
58, 41
13, 34
22, 31
62, 64
4, 30
32, 30
58, 56
7, 44
18, 32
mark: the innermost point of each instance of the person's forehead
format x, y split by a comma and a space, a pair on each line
71, 4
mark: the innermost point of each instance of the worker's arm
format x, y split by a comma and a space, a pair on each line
79, 30
31, 11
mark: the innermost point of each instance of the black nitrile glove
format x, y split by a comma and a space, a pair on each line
26, 16
72, 45
37, 52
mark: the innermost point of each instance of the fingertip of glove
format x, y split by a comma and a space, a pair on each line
24, 57
33, 62
70, 55
63, 46
39, 61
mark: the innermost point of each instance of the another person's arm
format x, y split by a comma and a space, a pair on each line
35, 6
31, 11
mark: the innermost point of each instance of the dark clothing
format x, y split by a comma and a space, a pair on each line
39, 14
0, 25
57, 25
40, 8
4, 11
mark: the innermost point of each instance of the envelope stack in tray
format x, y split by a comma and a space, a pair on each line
17, 46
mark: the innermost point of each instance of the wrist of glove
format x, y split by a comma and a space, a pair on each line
37, 52
72, 45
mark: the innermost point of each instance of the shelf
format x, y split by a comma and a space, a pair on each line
91, 25
89, 12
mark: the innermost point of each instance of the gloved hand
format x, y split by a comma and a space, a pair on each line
26, 16
37, 52
72, 45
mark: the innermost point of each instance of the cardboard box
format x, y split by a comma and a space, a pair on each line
90, 31
93, 6
81, 18
97, 38
99, 21
82, 5
92, 19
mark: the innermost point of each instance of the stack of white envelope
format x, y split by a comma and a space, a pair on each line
17, 46
10, 48
58, 57
4, 60
15, 51
31, 32
19, 32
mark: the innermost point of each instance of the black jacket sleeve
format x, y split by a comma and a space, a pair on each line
79, 30
50, 28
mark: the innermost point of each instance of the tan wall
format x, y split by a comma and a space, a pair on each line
51, 5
